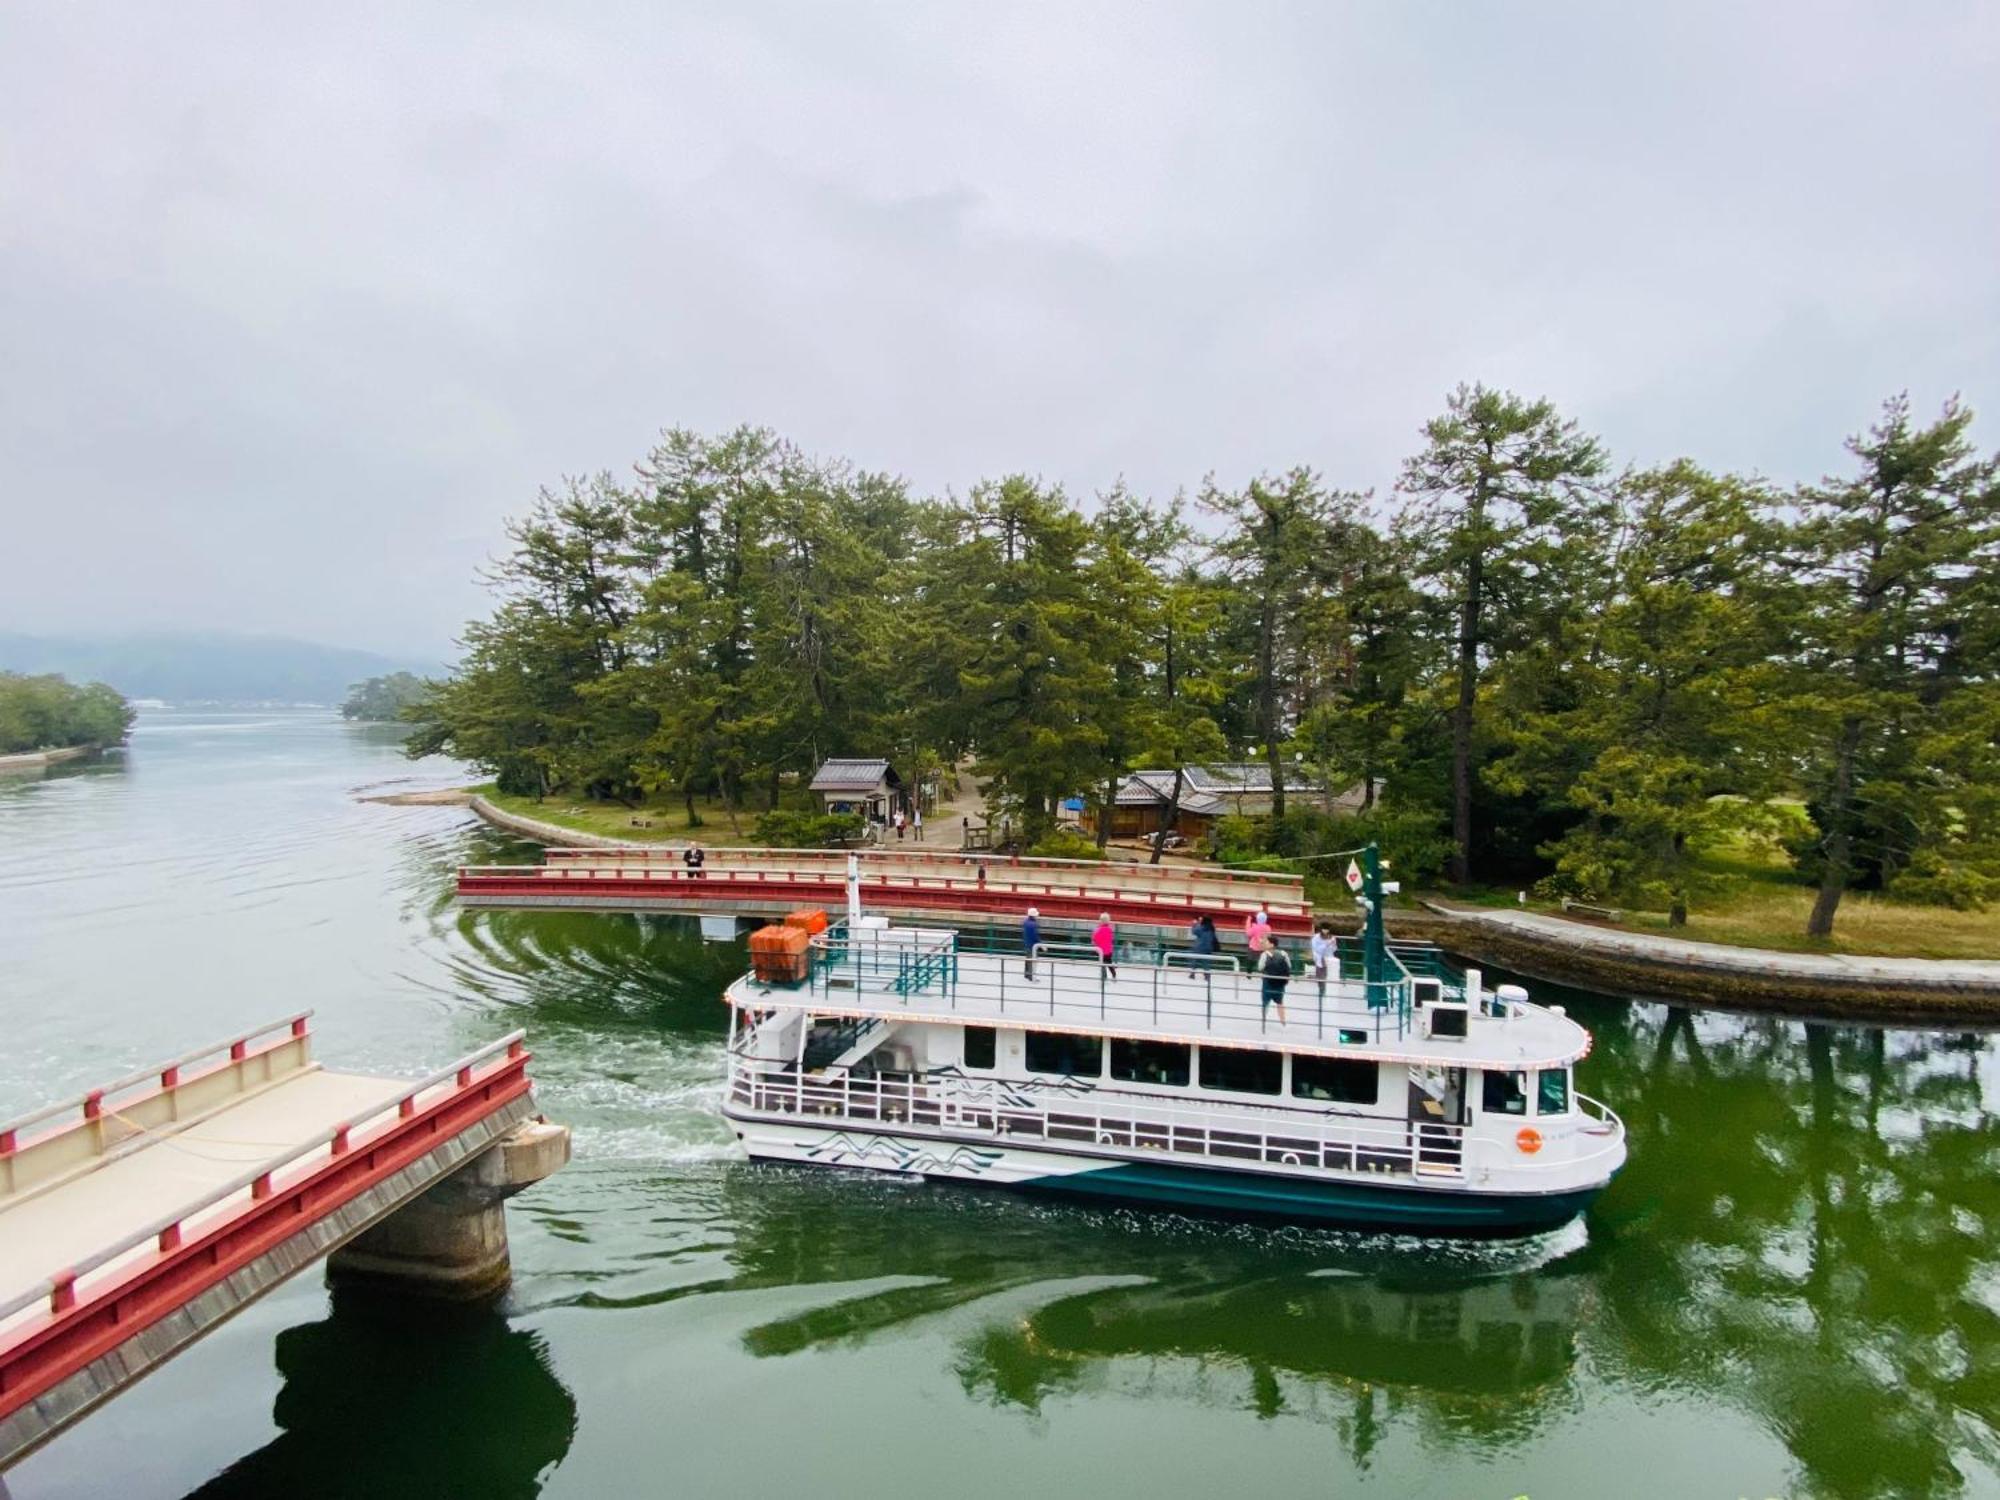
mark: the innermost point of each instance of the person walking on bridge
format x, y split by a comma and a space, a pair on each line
1104, 938
1031, 934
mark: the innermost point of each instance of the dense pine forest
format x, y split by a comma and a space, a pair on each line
1558, 670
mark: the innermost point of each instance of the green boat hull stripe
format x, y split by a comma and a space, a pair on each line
1354, 1204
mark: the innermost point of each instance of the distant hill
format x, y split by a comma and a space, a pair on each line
205, 668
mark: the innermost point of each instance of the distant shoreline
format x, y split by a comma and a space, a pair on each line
34, 760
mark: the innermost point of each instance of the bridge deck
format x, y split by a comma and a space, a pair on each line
937, 886
168, 1174
139, 1216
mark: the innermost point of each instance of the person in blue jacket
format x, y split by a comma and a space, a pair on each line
1031, 934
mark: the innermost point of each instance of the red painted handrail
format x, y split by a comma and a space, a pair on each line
165, 1075
259, 1178
78, 1328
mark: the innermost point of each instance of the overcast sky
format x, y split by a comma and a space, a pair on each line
299, 303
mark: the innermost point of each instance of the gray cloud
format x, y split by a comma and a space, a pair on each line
298, 304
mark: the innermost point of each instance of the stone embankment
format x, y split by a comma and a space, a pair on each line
549, 833
1633, 963
34, 760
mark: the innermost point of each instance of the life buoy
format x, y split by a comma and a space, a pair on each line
1528, 1140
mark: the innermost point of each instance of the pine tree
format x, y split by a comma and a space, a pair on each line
1506, 522
1898, 645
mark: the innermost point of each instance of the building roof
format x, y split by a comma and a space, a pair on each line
1150, 788
853, 776
1249, 777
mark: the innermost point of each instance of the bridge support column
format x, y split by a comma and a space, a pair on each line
450, 1241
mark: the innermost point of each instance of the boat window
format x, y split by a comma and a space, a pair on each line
1554, 1095
1243, 1070
979, 1046
1340, 1080
1150, 1062
1068, 1056
1504, 1093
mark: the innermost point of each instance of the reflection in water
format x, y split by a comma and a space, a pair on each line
1811, 1220
388, 1398
1335, 1327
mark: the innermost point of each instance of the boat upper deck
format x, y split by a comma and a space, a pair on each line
916, 974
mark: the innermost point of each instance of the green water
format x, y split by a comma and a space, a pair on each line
1793, 1290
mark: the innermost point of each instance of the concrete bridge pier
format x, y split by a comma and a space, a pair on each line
449, 1243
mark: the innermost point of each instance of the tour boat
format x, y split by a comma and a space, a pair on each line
1416, 1101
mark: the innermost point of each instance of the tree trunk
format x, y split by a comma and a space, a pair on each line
1104, 817
1840, 839
1461, 727
1267, 679
1172, 819
687, 795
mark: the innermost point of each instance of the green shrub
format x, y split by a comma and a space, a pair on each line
1062, 843
784, 828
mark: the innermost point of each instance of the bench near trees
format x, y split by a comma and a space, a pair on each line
1595, 913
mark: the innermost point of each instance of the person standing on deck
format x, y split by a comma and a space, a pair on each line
1276, 967
1104, 938
1031, 934
1257, 929
1324, 952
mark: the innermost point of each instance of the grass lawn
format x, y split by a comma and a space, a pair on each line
1756, 901
663, 821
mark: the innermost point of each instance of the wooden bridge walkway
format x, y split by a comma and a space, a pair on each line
943, 886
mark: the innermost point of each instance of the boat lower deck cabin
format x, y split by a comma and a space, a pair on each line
1423, 1102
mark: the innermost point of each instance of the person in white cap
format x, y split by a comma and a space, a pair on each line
1031, 934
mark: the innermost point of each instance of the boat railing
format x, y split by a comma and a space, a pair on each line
1068, 983
1344, 1143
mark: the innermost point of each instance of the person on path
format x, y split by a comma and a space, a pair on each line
899, 825
1257, 929
1276, 967
1031, 934
1324, 953
917, 824
1104, 938
694, 856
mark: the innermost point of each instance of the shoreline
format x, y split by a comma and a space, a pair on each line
1826, 986
35, 760
1675, 971
549, 833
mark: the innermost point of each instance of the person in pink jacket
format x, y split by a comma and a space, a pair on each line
1105, 940
1257, 929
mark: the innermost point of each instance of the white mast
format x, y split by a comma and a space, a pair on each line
853, 895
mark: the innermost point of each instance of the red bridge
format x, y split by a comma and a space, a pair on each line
946, 887
135, 1218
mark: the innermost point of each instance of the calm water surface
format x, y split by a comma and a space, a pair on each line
1792, 1290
